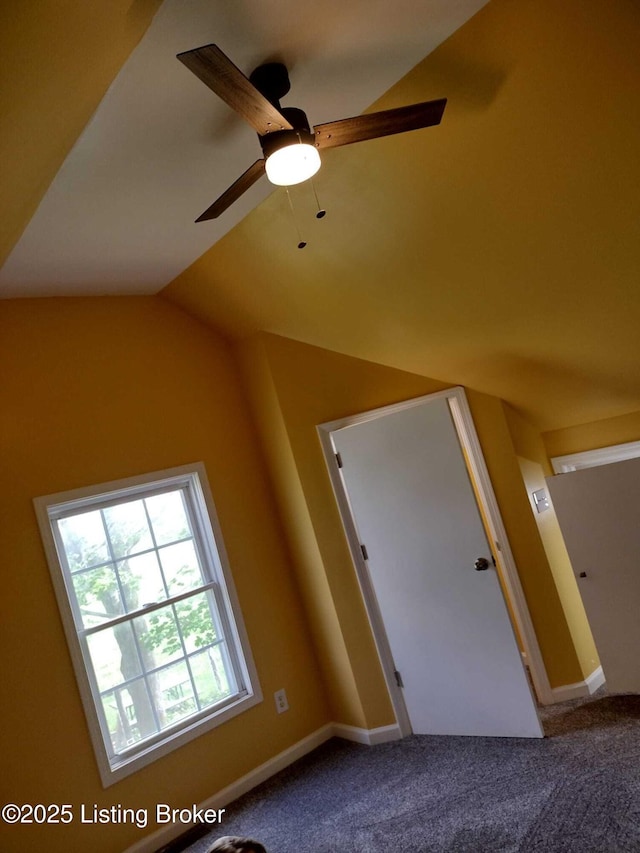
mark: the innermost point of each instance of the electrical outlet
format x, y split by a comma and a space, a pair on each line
281, 701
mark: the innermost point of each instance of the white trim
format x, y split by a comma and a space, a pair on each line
165, 834
595, 680
370, 737
468, 438
366, 587
593, 458
579, 688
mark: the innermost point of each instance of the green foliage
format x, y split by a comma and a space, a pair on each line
97, 590
195, 621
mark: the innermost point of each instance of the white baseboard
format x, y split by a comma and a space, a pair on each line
370, 737
260, 774
579, 689
595, 680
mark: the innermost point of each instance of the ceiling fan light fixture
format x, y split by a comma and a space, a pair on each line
292, 164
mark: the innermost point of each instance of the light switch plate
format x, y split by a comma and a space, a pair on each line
541, 500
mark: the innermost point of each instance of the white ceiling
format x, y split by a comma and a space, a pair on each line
118, 218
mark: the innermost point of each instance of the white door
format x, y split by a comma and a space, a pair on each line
446, 622
599, 514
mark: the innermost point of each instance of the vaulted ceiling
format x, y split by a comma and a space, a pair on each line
499, 250
118, 216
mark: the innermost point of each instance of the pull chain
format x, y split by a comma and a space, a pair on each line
301, 243
321, 211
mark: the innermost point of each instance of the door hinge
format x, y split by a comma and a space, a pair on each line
364, 552
398, 678
339, 460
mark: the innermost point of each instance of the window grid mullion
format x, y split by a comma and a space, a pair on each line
112, 562
185, 657
189, 538
155, 547
152, 700
113, 624
156, 669
142, 611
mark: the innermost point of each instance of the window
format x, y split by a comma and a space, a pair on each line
150, 613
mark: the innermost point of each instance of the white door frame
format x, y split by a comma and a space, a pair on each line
497, 534
593, 458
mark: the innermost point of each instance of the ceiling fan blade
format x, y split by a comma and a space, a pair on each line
374, 125
218, 72
234, 192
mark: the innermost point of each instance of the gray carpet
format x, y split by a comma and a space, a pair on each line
575, 791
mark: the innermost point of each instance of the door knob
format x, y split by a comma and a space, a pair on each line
481, 564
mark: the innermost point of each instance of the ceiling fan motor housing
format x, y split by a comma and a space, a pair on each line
277, 139
272, 81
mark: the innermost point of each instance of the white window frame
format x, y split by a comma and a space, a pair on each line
192, 478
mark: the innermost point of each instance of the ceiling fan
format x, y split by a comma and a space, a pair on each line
289, 146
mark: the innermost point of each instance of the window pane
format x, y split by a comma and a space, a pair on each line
181, 567
196, 623
141, 581
129, 715
210, 676
114, 655
174, 694
128, 528
98, 595
84, 539
168, 517
159, 637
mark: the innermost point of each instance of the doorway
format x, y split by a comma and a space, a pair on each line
406, 478
596, 505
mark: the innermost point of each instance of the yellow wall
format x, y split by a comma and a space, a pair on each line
95, 390
298, 527
537, 581
591, 436
308, 386
534, 466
